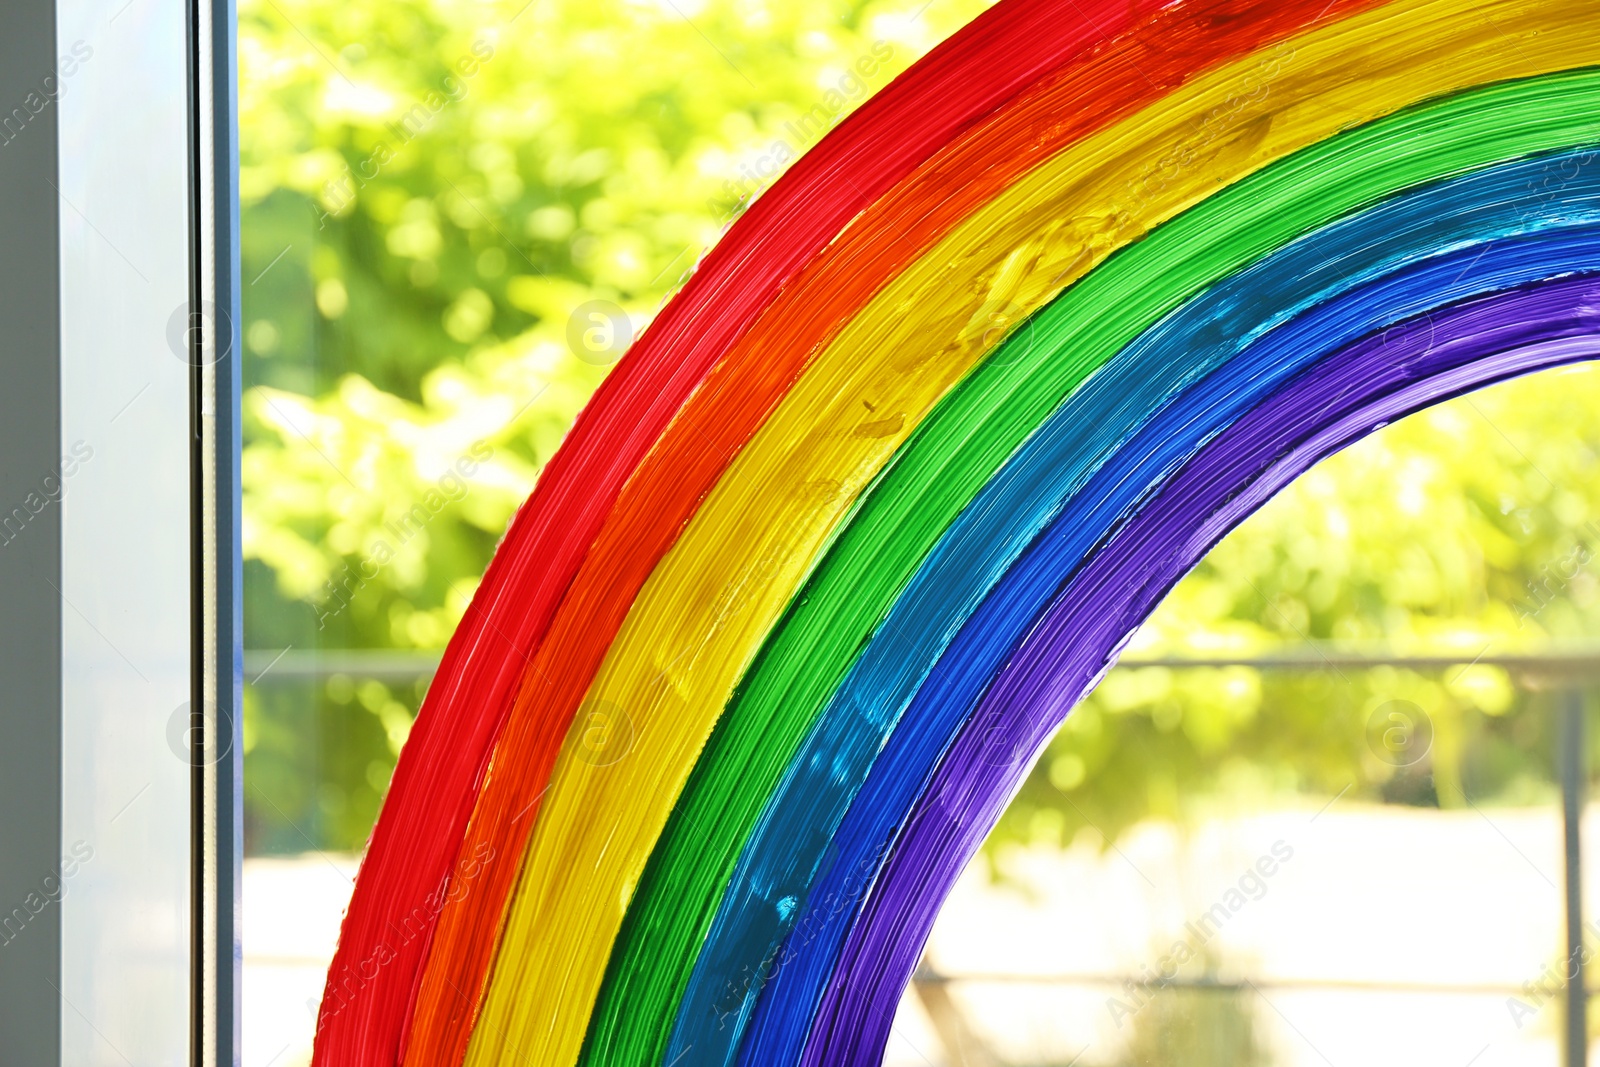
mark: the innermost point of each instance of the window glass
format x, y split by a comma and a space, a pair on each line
455, 217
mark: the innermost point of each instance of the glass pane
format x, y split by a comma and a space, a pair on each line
456, 215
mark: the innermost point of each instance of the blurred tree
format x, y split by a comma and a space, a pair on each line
430, 190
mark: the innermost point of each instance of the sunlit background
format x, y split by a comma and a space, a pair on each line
430, 189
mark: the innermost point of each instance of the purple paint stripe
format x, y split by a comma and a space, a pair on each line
1359, 389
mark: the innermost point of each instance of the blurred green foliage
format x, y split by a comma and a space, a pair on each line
431, 188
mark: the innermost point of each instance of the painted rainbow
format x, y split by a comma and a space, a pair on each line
884, 489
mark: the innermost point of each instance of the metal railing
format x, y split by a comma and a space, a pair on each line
1568, 670
1541, 669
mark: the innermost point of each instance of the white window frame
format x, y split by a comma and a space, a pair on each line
119, 432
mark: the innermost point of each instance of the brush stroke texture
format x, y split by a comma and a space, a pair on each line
944, 700
700, 617
1092, 612
863, 588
